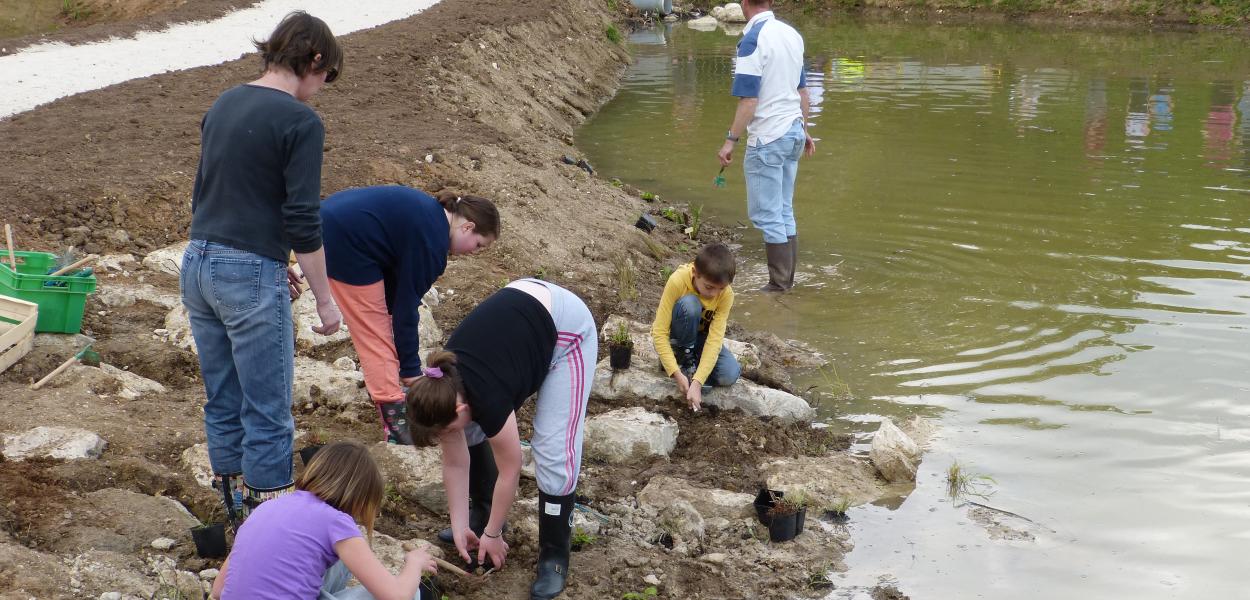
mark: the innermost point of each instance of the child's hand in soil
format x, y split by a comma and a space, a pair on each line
683, 384
421, 559
694, 395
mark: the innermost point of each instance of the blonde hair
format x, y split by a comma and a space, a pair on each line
345, 476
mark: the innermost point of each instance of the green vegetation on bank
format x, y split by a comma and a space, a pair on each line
1224, 13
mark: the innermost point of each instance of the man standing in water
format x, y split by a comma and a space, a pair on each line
771, 87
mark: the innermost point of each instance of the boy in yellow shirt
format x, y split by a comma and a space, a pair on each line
689, 326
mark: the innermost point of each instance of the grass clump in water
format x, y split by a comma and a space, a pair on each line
961, 483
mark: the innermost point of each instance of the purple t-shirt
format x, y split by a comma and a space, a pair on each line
284, 548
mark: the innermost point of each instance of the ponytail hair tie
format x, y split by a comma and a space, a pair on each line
432, 372
457, 200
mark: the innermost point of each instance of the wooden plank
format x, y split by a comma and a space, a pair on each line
14, 354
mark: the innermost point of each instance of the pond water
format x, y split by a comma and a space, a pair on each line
44, 72
1039, 238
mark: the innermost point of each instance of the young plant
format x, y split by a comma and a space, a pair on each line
673, 215
646, 594
665, 272
657, 250
649, 196
316, 437
836, 510
960, 483
626, 278
784, 506
613, 34
696, 221
392, 495
582, 538
620, 338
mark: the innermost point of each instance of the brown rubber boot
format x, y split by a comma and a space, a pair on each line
780, 267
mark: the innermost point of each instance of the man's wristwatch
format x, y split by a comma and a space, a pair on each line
729, 135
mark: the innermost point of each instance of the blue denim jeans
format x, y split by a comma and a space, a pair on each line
684, 334
770, 170
240, 310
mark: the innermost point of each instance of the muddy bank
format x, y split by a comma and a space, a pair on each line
479, 96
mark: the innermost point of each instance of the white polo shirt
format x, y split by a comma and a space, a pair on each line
769, 66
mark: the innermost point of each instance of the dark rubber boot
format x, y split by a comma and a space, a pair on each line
555, 528
794, 258
780, 267
230, 488
482, 476
395, 422
253, 497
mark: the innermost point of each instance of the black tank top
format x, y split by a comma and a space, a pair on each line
503, 347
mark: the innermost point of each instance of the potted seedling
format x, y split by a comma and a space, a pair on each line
764, 502
620, 348
836, 511
315, 441
430, 589
210, 540
581, 539
783, 525
800, 500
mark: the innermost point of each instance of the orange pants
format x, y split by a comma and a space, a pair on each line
368, 320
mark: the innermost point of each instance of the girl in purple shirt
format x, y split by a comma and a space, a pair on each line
307, 545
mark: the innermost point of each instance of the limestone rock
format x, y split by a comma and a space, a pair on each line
629, 433
733, 13
344, 363
209, 574
115, 262
416, 473
718, 12
132, 385
429, 335
706, 23
163, 543
65, 443
321, 384
894, 454
195, 460
122, 295
920, 430
178, 329
527, 462
176, 585
304, 313
680, 520
825, 479
167, 260
391, 551
711, 503
753, 399
122, 521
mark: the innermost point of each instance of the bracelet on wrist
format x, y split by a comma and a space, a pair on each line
729, 135
496, 536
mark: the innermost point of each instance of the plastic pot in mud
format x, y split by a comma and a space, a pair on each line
307, 452
619, 356
646, 223
764, 503
785, 526
210, 540
837, 516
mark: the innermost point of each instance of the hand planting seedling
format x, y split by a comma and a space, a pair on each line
720, 179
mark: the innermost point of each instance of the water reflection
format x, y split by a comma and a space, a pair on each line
1036, 237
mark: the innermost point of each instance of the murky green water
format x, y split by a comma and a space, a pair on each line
1039, 238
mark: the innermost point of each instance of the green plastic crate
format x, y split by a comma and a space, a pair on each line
60, 304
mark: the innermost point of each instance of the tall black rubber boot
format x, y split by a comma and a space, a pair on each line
794, 257
394, 417
482, 476
555, 530
780, 267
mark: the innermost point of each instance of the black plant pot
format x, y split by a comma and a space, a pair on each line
210, 540
764, 502
306, 453
837, 516
802, 520
646, 223
430, 589
783, 528
619, 356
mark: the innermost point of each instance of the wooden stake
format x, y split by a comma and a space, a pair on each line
73, 267
54, 373
8, 237
409, 547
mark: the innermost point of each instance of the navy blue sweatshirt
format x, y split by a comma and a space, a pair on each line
393, 234
259, 179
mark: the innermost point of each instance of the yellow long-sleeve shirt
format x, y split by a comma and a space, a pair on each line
715, 318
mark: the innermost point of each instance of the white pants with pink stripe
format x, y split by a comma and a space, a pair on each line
561, 409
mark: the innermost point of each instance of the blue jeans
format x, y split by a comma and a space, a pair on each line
684, 334
240, 310
770, 170
334, 586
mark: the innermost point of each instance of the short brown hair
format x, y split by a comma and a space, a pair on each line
298, 39
432, 400
345, 476
716, 262
475, 209
765, 3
